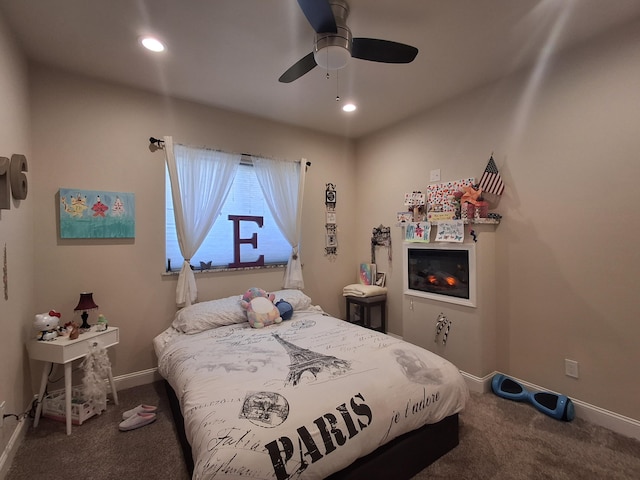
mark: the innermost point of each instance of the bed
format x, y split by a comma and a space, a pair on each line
312, 397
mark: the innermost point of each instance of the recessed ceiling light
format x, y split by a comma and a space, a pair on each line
153, 44
349, 107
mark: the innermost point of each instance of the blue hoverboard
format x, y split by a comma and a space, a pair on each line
556, 406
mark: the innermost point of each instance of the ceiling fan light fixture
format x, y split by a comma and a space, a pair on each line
332, 51
332, 57
349, 107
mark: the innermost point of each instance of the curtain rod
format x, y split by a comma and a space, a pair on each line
160, 144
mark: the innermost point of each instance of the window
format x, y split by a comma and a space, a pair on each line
245, 200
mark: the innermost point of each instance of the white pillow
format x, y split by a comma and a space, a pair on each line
227, 311
211, 314
297, 299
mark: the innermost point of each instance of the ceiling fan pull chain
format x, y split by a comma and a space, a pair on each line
337, 87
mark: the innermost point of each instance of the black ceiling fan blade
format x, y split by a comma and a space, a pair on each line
385, 51
319, 15
298, 69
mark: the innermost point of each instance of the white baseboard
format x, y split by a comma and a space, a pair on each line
6, 457
626, 426
478, 384
136, 379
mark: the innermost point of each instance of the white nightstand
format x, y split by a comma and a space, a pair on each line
65, 351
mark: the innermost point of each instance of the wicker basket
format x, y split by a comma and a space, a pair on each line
54, 406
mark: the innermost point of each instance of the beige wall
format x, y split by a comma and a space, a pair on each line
94, 135
567, 262
565, 138
16, 229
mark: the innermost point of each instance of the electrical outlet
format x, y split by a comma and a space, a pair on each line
435, 175
2, 404
571, 368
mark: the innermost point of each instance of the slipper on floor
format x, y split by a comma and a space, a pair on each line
136, 421
142, 408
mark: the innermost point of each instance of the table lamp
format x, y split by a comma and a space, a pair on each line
85, 303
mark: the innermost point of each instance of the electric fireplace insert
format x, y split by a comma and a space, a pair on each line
441, 271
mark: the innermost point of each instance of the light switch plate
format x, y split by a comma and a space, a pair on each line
435, 175
571, 368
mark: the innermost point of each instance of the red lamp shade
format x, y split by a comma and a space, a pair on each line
86, 302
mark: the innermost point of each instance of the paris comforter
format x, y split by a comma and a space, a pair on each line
300, 399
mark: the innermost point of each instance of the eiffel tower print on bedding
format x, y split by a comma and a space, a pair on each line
302, 399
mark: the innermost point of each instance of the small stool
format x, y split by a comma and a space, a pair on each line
363, 306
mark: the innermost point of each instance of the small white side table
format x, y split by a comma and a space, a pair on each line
64, 351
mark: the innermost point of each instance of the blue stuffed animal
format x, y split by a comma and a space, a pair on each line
285, 309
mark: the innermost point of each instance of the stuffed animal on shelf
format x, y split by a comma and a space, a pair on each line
261, 312
47, 325
73, 330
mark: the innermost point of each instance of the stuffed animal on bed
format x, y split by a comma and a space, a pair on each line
261, 312
285, 309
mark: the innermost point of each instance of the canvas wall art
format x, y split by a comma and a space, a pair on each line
96, 214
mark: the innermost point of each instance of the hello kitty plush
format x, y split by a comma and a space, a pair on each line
261, 312
47, 325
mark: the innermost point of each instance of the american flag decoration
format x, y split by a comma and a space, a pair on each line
491, 181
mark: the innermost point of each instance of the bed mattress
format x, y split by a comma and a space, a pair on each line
301, 399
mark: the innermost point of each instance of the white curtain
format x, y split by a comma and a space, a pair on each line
282, 184
200, 182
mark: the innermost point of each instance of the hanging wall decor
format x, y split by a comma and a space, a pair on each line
380, 237
417, 232
331, 243
450, 231
96, 214
5, 275
443, 325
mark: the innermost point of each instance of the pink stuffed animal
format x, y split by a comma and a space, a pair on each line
261, 312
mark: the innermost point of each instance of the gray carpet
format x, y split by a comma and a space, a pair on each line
97, 450
499, 439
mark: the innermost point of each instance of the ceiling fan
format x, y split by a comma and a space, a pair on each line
334, 45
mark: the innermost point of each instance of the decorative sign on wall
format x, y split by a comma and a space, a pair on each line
13, 181
331, 244
96, 214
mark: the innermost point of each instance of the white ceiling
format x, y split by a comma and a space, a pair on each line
230, 53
